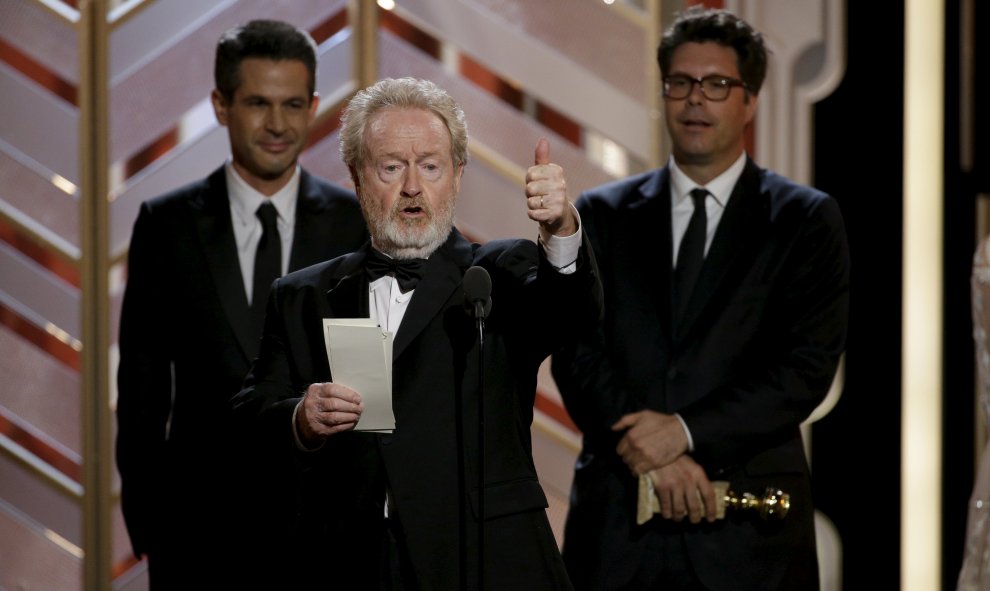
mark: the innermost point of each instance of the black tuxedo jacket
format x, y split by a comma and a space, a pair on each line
185, 347
429, 464
754, 354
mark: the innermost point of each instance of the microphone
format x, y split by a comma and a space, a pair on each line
478, 303
477, 292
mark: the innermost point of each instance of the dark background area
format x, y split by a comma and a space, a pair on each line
859, 160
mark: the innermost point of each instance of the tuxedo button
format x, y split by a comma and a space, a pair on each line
671, 372
386, 439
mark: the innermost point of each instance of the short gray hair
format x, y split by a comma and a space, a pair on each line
403, 93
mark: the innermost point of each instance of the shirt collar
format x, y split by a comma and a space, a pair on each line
245, 199
720, 187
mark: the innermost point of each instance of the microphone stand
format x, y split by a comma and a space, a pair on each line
479, 314
477, 294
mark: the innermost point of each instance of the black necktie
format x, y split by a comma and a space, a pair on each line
407, 272
267, 260
691, 253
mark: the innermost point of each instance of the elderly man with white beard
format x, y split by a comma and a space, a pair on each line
400, 510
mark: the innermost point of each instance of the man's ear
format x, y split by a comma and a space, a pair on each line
355, 178
751, 104
314, 104
219, 106
458, 174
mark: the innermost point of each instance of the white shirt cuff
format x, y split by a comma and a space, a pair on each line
686, 432
562, 251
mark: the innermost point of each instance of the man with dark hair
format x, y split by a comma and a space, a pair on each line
201, 261
263, 39
722, 334
401, 510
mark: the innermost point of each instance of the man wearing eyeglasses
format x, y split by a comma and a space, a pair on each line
726, 290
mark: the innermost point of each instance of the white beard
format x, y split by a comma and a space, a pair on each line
405, 239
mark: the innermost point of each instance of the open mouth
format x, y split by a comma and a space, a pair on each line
412, 211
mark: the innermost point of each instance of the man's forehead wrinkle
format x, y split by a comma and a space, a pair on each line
400, 140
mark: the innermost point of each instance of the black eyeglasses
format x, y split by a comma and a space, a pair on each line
714, 88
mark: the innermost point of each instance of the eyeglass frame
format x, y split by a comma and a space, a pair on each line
728, 83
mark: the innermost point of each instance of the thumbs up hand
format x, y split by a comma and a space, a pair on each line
546, 194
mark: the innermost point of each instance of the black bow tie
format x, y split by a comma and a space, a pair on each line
407, 272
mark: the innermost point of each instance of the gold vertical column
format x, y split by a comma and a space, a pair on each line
922, 326
363, 16
94, 130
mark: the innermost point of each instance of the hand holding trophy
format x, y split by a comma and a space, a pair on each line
772, 505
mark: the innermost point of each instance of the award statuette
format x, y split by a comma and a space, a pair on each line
773, 505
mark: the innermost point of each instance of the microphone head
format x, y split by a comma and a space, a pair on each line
477, 291
477, 284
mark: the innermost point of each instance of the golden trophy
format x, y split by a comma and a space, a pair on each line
772, 505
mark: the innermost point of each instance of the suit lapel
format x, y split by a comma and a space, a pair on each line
651, 258
216, 234
442, 277
309, 230
743, 228
347, 293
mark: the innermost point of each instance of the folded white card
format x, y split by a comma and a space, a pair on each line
360, 356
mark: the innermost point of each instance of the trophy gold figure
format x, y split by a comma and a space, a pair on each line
772, 505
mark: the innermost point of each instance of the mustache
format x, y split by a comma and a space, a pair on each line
411, 203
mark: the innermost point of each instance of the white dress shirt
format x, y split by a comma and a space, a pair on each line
244, 203
720, 188
682, 207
